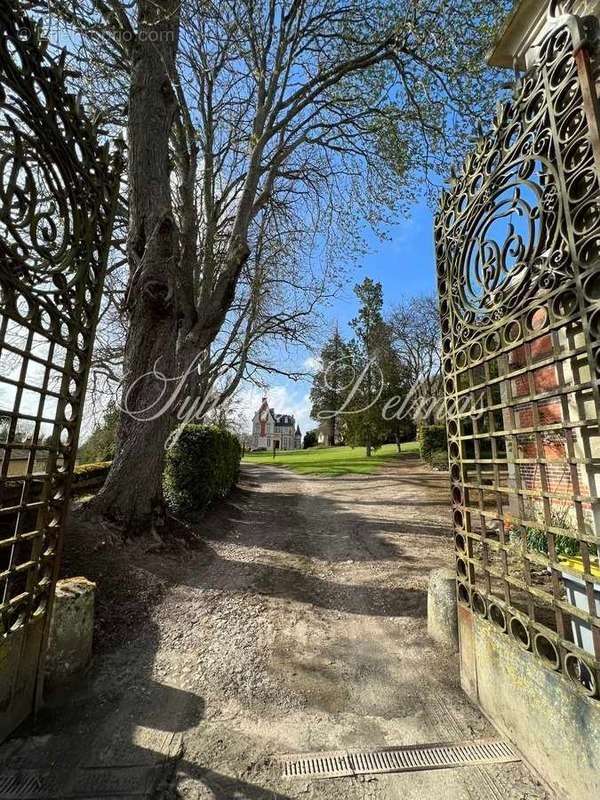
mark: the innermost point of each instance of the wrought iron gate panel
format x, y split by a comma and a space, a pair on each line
518, 255
57, 194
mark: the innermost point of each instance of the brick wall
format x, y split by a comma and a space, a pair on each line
552, 447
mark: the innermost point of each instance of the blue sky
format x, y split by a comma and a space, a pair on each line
405, 266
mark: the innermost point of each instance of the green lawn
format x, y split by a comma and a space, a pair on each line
332, 460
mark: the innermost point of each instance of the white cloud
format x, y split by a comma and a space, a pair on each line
311, 363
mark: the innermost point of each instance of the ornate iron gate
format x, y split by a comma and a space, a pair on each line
518, 253
57, 194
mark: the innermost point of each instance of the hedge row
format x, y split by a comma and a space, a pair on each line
202, 466
86, 472
439, 460
433, 442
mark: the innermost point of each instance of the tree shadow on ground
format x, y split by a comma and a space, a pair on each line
292, 539
327, 527
296, 585
122, 714
224, 787
116, 730
119, 724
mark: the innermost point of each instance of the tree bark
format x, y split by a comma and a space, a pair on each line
333, 431
132, 493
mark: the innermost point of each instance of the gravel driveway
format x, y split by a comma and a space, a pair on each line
299, 625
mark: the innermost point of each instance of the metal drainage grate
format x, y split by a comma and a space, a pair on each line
97, 783
398, 759
30, 784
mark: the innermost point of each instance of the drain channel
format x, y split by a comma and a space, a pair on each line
411, 758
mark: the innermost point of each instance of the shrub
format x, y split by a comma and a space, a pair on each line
310, 439
85, 472
439, 459
536, 538
537, 541
431, 438
201, 467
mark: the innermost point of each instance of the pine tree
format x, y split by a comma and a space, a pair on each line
396, 385
329, 387
367, 426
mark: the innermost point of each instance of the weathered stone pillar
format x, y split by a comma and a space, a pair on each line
442, 622
71, 630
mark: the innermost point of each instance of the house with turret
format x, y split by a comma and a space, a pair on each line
274, 431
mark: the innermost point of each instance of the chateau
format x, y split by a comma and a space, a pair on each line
271, 430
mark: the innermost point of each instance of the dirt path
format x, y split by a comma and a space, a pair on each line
300, 625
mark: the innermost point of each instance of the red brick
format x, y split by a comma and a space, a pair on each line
541, 347
545, 378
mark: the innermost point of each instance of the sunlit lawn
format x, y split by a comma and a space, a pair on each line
332, 460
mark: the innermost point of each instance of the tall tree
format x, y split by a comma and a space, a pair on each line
133, 490
416, 335
331, 384
366, 425
322, 112
396, 386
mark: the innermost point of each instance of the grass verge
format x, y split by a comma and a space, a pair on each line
332, 461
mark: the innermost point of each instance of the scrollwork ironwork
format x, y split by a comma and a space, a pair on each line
57, 197
507, 205
518, 256
55, 185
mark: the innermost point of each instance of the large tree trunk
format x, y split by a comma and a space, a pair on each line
133, 490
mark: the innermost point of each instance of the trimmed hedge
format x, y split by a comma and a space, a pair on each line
201, 467
432, 439
85, 472
439, 459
